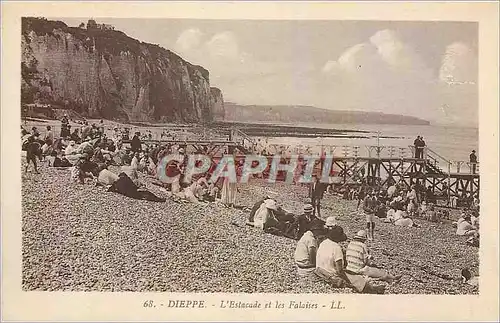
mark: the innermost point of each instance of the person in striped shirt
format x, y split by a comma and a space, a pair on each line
359, 260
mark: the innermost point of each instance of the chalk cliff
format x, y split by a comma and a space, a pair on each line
217, 104
100, 72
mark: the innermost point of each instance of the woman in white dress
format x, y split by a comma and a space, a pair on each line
229, 189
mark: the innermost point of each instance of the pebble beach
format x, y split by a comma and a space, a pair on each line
83, 238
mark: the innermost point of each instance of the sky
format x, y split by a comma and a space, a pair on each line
422, 69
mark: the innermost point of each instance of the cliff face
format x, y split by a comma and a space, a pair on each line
104, 73
217, 104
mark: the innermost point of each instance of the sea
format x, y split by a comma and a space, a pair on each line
453, 143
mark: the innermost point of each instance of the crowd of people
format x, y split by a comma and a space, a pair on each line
323, 251
90, 155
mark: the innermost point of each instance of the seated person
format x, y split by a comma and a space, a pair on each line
359, 260
405, 221
106, 177
468, 279
59, 161
431, 214
264, 213
330, 262
305, 252
464, 226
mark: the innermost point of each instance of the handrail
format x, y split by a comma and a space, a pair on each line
433, 153
244, 135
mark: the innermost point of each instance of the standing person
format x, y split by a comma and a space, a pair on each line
65, 126
362, 192
75, 136
49, 136
316, 191
369, 205
421, 147
101, 127
136, 143
473, 161
85, 129
33, 149
228, 194
416, 145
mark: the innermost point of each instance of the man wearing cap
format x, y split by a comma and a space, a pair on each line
473, 161
359, 260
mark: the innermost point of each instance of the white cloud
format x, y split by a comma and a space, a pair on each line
224, 45
188, 40
458, 64
382, 74
330, 67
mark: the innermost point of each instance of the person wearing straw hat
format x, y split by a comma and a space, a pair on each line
359, 260
336, 231
307, 220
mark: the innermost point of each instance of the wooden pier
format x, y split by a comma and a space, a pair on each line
377, 165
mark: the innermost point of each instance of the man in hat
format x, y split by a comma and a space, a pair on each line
307, 220
334, 229
473, 161
305, 252
136, 143
359, 260
416, 145
330, 262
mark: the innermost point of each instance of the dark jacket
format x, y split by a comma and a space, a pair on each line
136, 143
